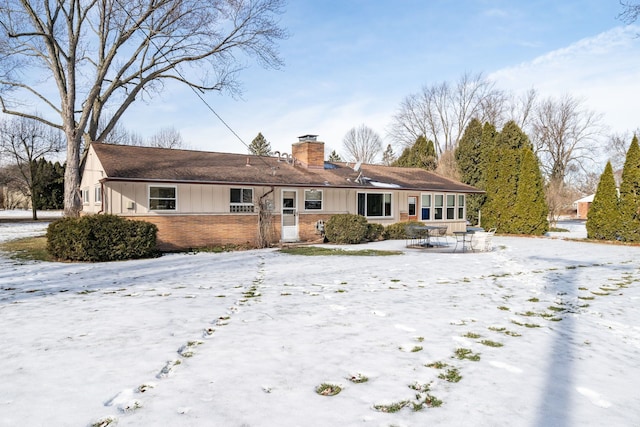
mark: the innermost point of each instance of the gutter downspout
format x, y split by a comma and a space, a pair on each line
101, 197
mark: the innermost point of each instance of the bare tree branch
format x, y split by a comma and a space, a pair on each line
442, 112
362, 144
565, 136
104, 55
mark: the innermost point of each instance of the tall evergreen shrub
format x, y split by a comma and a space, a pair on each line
603, 221
630, 195
503, 169
530, 212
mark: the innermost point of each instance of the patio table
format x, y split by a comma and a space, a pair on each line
430, 232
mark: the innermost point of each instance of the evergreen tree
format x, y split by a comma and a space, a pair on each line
388, 156
603, 221
468, 156
471, 160
260, 146
630, 195
48, 188
530, 211
503, 169
422, 154
334, 157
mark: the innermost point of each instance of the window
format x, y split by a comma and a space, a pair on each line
426, 207
97, 192
461, 206
412, 205
439, 203
451, 206
85, 195
162, 198
241, 200
312, 199
374, 204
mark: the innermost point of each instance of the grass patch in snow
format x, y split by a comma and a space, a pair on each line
358, 378
534, 299
465, 353
27, 249
472, 335
319, 251
326, 389
490, 343
437, 365
526, 325
504, 331
104, 422
392, 407
451, 375
503, 308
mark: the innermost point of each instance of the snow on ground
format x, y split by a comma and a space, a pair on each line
26, 214
244, 338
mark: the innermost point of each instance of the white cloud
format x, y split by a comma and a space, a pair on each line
604, 70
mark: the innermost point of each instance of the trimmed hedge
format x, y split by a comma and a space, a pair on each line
374, 232
346, 228
398, 231
101, 238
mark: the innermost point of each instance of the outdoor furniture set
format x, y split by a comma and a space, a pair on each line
474, 239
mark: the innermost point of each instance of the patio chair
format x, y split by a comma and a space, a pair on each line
413, 235
488, 244
440, 236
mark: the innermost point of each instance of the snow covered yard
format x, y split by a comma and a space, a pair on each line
245, 338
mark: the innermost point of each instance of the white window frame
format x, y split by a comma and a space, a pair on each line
462, 206
450, 207
320, 200
429, 206
85, 196
175, 198
242, 206
97, 194
384, 202
441, 207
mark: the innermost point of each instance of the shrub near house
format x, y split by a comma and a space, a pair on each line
101, 238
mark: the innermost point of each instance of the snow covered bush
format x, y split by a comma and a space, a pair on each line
101, 238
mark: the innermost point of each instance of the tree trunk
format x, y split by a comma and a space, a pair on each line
72, 202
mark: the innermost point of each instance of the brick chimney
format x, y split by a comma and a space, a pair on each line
309, 151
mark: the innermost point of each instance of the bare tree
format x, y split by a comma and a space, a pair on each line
617, 146
166, 138
521, 108
362, 144
102, 55
630, 11
442, 112
565, 136
24, 141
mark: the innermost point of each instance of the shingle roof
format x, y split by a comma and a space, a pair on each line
130, 163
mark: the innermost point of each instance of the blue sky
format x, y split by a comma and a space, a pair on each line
352, 62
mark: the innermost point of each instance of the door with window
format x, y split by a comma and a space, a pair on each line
412, 202
289, 216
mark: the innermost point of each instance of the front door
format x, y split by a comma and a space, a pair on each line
289, 216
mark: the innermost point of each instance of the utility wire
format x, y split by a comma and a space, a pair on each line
198, 94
